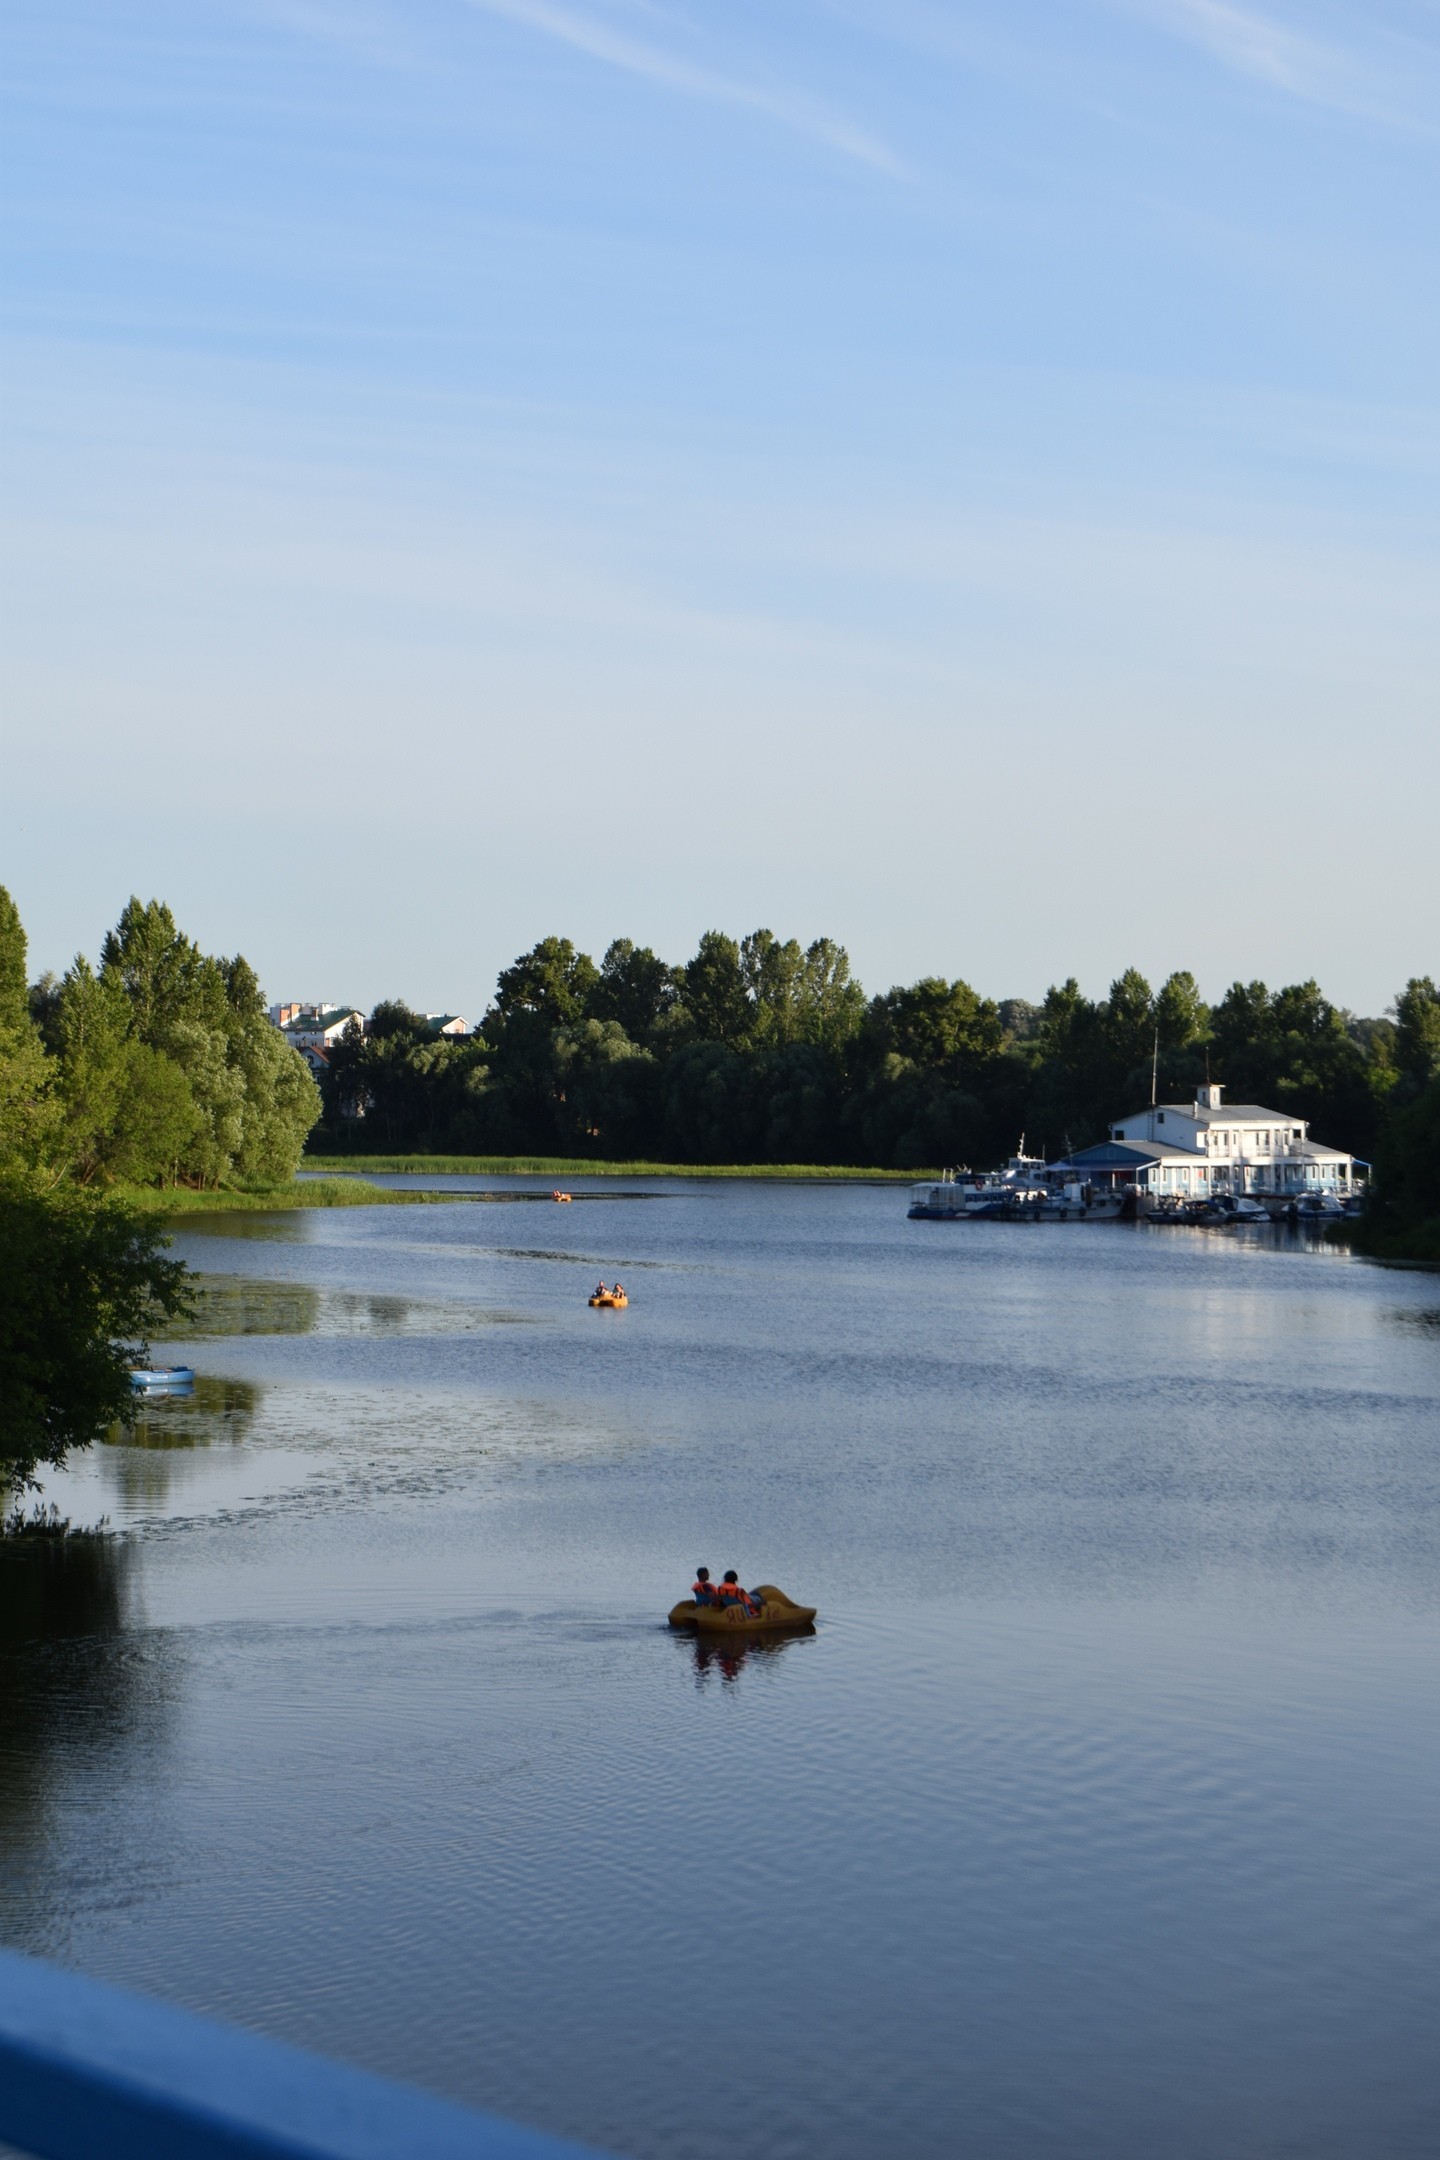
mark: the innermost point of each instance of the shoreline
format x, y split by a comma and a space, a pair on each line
299, 1193
320, 1184
574, 1166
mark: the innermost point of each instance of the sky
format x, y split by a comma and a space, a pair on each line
956, 478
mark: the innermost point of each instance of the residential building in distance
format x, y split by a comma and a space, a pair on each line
314, 1027
447, 1023
1196, 1151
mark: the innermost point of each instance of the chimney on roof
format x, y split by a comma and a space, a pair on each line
1208, 1097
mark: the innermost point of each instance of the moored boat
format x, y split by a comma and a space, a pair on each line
1237, 1208
1026, 1190
147, 1378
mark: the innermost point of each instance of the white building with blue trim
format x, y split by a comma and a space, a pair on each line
1196, 1151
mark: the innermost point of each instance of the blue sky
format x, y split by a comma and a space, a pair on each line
957, 478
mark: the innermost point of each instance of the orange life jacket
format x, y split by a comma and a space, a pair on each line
702, 1592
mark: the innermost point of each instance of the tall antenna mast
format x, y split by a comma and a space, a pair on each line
1155, 1070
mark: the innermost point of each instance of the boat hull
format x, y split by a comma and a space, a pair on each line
610, 1304
780, 1612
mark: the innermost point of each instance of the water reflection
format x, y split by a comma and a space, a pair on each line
57, 1589
724, 1658
141, 1458
290, 1227
211, 1410
1424, 1318
229, 1305
74, 1686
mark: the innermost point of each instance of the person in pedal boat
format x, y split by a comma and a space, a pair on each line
702, 1589
732, 1594
600, 1289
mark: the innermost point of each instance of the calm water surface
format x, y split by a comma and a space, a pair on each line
1097, 1818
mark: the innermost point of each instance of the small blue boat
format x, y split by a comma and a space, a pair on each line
148, 1378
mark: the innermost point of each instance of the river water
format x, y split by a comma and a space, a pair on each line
1097, 1817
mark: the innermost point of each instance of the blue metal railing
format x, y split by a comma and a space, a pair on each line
88, 2071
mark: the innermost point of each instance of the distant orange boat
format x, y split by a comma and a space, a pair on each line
562, 1196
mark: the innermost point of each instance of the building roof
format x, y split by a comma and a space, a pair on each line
1240, 1113
311, 1023
1119, 1154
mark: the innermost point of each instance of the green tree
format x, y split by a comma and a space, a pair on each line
715, 990
1402, 1216
552, 983
154, 1124
933, 1022
636, 989
604, 1087
90, 1033
831, 1002
1127, 1023
1019, 1019
392, 1019
1180, 1013
1417, 1032
704, 1108
1242, 1035
14, 980
168, 982
30, 1114
771, 974
81, 1285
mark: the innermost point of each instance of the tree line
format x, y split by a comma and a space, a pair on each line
766, 1051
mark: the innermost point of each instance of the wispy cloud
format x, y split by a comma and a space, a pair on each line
801, 115
1254, 42
366, 29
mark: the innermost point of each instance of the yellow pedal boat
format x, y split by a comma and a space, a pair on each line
780, 1612
617, 1304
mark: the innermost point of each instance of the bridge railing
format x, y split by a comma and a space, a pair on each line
88, 2070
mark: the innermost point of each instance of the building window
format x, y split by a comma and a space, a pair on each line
1159, 1117
1119, 1132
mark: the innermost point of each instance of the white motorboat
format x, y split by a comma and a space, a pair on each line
1237, 1208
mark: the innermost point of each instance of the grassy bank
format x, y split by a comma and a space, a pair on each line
559, 1166
299, 1193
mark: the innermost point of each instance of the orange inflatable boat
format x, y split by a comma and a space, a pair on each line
777, 1611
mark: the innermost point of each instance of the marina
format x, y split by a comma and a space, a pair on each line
1207, 1163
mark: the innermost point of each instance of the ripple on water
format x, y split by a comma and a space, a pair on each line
1095, 1819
